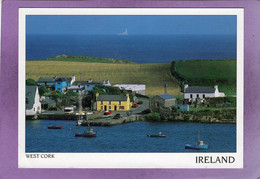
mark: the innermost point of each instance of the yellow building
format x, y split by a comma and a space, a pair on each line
113, 102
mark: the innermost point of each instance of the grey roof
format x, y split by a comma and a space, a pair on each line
166, 96
30, 96
48, 100
53, 79
87, 82
47, 79
69, 79
111, 98
200, 89
61, 79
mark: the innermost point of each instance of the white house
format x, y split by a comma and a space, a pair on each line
201, 92
85, 86
32, 101
137, 88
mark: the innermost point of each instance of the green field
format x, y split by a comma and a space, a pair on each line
153, 75
87, 59
207, 73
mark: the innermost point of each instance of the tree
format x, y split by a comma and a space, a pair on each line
31, 82
42, 90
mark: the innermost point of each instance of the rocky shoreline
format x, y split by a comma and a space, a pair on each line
223, 116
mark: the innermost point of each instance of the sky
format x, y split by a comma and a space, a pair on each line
136, 25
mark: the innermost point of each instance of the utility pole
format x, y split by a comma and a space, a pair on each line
165, 88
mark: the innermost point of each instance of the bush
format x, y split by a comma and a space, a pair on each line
31, 82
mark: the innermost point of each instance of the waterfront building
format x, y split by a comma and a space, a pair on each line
201, 92
32, 101
161, 101
137, 88
47, 103
113, 102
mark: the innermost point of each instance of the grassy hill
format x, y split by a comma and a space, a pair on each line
153, 75
206, 73
87, 59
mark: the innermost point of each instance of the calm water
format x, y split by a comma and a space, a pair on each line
137, 48
129, 137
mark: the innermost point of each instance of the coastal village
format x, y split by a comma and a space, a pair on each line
100, 103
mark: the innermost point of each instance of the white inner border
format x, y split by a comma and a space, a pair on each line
129, 160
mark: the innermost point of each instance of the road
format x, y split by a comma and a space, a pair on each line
140, 108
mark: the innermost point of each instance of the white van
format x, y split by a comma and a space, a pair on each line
68, 110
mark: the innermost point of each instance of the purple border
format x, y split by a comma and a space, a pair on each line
9, 96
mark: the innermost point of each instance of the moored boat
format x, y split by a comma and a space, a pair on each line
90, 133
156, 135
200, 145
54, 127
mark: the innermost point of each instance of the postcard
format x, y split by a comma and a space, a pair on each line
131, 88
143, 89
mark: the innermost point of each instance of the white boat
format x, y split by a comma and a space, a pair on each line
80, 119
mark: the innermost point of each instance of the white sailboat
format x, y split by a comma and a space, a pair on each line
124, 33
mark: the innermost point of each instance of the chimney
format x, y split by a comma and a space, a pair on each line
185, 87
73, 78
216, 87
165, 88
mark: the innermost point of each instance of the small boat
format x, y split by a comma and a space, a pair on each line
200, 145
156, 135
54, 127
80, 118
90, 133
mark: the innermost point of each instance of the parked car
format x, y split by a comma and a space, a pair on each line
140, 102
117, 116
108, 112
147, 111
135, 105
89, 112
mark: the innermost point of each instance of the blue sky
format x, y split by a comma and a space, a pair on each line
136, 25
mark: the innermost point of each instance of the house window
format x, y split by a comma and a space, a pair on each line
101, 107
190, 95
121, 107
198, 96
109, 107
27, 101
109, 102
58, 83
101, 102
203, 95
120, 102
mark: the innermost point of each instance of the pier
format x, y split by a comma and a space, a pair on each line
110, 122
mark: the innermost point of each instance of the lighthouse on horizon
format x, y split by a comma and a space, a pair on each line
124, 33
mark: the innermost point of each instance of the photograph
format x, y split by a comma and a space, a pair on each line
131, 83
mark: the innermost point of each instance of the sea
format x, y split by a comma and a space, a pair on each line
136, 48
128, 138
